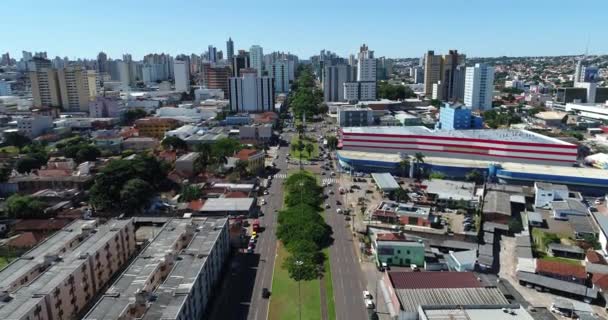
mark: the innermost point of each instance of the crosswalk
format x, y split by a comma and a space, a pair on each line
330, 180
280, 176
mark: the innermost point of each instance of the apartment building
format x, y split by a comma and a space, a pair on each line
74, 88
155, 127
174, 276
59, 278
45, 88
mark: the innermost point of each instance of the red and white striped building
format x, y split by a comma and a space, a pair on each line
500, 145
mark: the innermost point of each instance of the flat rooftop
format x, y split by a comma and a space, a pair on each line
385, 181
512, 135
170, 295
29, 296
449, 189
227, 204
35, 257
477, 313
412, 298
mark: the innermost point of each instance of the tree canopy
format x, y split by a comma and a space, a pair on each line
119, 178
16, 139
174, 143
18, 206
129, 117
305, 97
394, 92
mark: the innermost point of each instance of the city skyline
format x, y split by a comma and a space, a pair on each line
391, 28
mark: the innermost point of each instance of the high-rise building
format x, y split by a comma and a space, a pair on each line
38, 63
216, 77
432, 71
451, 75
212, 52
229, 49
256, 54
479, 87
102, 61
45, 88
334, 78
181, 74
360, 91
6, 59
280, 73
585, 73
250, 93
26, 56
352, 61
457, 117
74, 88
418, 74
366, 65
5, 88
240, 61
220, 55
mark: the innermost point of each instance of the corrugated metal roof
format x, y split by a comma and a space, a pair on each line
556, 284
412, 298
385, 181
420, 280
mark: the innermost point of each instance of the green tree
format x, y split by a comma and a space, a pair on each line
436, 103
16, 139
309, 149
404, 165
437, 175
18, 206
300, 130
418, 160
5, 172
332, 142
135, 195
393, 92
302, 266
401, 195
29, 162
515, 225
204, 157
241, 168
474, 176
190, 193
129, 117
87, 153
174, 143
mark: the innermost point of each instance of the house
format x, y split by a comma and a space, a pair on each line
535, 219
405, 213
461, 260
545, 193
448, 192
562, 270
396, 249
568, 207
253, 158
140, 143
228, 207
497, 207
571, 252
186, 163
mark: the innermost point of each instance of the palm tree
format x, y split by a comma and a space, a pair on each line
300, 148
404, 165
418, 159
204, 158
309, 149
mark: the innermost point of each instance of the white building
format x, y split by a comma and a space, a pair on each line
201, 94
366, 65
34, 126
545, 193
250, 93
103, 107
479, 87
256, 57
5, 88
181, 74
333, 81
360, 91
280, 73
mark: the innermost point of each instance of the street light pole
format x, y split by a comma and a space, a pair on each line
299, 263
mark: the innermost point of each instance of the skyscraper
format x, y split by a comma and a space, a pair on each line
280, 73
432, 71
479, 87
212, 51
250, 93
365, 87
366, 65
45, 88
334, 78
240, 61
256, 54
102, 61
181, 74
74, 88
229, 49
450, 75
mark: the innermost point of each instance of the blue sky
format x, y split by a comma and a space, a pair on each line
393, 28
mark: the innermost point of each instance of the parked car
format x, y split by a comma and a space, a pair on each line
369, 304
367, 295
347, 218
327, 206
265, 293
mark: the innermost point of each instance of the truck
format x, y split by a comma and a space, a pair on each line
256, 225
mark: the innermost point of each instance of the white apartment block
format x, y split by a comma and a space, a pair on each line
34, 126
250, 93
181, 74
479, 87
280, 73
256, 58
5, 88
59, 278
173, 278
360, 91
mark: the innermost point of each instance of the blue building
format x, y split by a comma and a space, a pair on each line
458, 117
236, 120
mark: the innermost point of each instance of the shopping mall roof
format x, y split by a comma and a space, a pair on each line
485, 134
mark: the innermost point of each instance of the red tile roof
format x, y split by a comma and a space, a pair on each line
245, 154
600, 281
433, 280
25, 240
196, 205
594, 257
392, 237
236, 194
561, 268
40, 224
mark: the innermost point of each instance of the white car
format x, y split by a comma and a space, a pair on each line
266, 192
367, 295
369, 304
598, 201
263, 201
